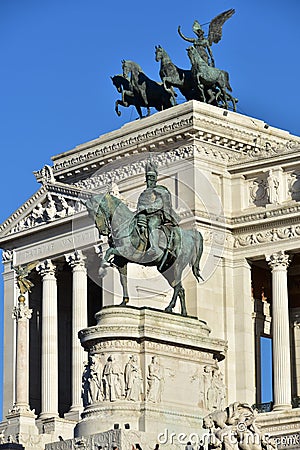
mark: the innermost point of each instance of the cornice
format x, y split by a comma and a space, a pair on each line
101, 153
237, 139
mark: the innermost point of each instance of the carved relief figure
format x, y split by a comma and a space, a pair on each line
113, 380
95, 380
155, 380
85, 385
133, 380
92, 385
68, 209
212, 388
50, 210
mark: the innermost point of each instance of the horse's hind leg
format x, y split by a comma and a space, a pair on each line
172, 303
181, 294
123, 279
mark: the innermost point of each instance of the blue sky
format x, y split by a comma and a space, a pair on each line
57, 57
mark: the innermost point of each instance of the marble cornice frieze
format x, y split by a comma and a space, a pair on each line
155, 137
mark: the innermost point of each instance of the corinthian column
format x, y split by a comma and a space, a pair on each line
279, 263
79, 321
22, 314
49, 400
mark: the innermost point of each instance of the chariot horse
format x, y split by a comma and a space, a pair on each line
172, 75
124, 87
209, 77
152, 93
126, 244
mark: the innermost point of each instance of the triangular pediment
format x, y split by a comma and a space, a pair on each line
51, 203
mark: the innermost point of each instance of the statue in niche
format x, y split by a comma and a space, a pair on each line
133, 380
113, 380
234, 428
155, 380
273, 188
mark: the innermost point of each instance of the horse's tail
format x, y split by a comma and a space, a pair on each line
227, 81
197, 256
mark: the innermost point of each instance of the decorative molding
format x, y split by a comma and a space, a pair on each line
109, 178
99, 152
267, 236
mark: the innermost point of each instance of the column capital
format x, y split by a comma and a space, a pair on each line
46, 267
7, 256
76, 259
278, 260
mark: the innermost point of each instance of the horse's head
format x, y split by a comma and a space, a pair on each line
130, 67
119, 82
98, 209
158, 53
126, 68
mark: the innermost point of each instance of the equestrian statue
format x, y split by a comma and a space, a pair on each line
203, 81
150, 236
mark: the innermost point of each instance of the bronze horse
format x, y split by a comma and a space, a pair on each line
123, 86
208, 77
172, 75
152, 93
115, 220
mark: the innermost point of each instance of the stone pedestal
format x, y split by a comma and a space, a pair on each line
148, 370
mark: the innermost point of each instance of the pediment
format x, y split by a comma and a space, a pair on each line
50, 203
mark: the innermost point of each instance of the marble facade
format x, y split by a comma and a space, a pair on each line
234, 178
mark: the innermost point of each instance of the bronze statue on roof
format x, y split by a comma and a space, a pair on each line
203, 81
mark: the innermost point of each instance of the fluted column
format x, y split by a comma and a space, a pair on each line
279, 263
79, 321
49, 400
22, 314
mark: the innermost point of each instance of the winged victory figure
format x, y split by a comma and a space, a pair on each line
22, 273
203, 44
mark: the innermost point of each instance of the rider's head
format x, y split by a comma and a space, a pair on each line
151, 174
198, 30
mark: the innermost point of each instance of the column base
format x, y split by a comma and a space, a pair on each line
284, 407
56, 427
74, 414
21, 427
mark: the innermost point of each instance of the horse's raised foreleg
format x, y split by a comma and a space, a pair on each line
123, 279
128, 94
110, 252
118, 102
